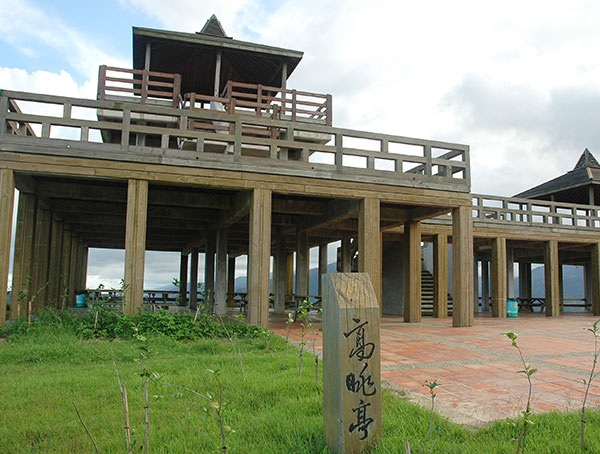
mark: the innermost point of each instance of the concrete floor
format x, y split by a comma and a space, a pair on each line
476, 366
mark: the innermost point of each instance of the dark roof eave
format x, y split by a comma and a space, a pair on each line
216, 41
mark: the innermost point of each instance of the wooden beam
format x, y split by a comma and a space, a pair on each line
280, 274
412, 272
7, 191
209, 269
183, 278
346, 255
54, 280
337, 210
485, 285
259, 257
440, 276
41, 253
230, 280
551, 270
322, 265
498, 277
65, 268
369, 243
135, 245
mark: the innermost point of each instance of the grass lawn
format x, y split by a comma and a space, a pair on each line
275, 411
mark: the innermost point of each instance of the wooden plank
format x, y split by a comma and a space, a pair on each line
369, 242
259, 257
462, 263
135, 244
412, 272
7, 189
221, 268
498, 277
551, 279
351, 363
440, 276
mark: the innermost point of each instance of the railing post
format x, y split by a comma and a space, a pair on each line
427, 152
144, 87
176, 89
339, 151
237, 144
3, 112
293, 105
101, 82
328, 111
259, 101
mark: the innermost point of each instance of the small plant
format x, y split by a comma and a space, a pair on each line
235, 349
216, 403
144, 360
431, 385
288, 322
302, 315
528, 371
595, 330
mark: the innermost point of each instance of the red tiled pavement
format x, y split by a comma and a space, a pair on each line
476, 366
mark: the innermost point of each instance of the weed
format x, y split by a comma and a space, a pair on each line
595, 330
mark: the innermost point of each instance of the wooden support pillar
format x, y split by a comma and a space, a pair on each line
7, 195
83, 265
284, 75
485, 285
346, 255
209, 270
369, 243
551, 271
24, 242
73, 270
147, 57
524, 279
194, 279
475, 285
221, 284
135, 245
498, 277
65, 269
279, 286
412, 272
595, 278
510, 272
462, 267
183, 279
230, 281
302, 256
322, 265
259, 257
561, 289
587, 284
217, 74
41, 254
54, 279
289, 285
440, 276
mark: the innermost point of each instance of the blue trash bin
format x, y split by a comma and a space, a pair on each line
512, 308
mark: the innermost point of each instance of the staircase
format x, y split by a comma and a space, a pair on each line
427, 294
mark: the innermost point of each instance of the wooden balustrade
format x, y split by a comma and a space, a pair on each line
269, 145
139, 82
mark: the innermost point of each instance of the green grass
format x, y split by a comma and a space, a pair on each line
42, 373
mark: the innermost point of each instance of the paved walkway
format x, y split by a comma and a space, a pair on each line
476, 366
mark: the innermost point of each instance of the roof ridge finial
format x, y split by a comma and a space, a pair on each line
213, 27
586, 159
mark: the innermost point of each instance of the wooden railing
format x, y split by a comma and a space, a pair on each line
18, 128
138, 82
518, 211
293, 148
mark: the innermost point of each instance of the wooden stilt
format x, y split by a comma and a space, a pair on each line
280, 274
551, 269
302, 264
595, 278
183, 279
259, 257
194, 279
462, 265
209, 269
440, 276
135, 245
369, 243
7, 190
498, 277
412, 272
221, 284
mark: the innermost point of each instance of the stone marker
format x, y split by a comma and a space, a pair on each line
351, 365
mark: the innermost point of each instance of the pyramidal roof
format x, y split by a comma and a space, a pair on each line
213, 27
587, 160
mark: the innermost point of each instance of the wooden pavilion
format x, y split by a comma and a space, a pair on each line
202, 148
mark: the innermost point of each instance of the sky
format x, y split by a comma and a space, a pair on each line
518, 81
